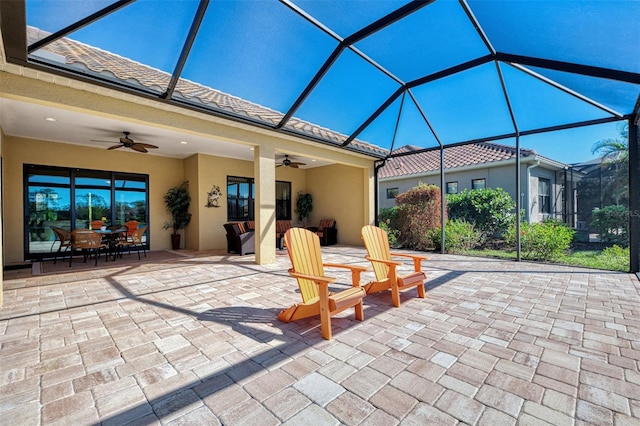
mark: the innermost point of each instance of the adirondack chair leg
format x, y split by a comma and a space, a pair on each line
325, 313
421, 292
395, 287
395, 295
359, 311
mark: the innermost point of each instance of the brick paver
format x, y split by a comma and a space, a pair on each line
194, 339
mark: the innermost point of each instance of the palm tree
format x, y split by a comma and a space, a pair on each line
614, 150
615, 158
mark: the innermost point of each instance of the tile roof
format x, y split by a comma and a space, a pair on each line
111, 66
454, 156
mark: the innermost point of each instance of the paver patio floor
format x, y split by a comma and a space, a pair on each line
194, 339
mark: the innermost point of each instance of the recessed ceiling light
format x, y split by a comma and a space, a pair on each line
251, 149
50, 119
313, 161
184, 142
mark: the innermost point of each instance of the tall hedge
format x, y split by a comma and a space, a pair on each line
418, 211
612, 224
490, 210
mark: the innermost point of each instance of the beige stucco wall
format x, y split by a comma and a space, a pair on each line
163, 173
2, 204
190, 236
338, 193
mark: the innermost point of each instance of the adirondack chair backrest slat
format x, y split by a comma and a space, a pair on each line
376, 242
303, 247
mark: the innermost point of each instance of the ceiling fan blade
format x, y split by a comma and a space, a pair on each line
126, 140
115, 146
298, 164
294, 165
146, 145
137, 147
279, 165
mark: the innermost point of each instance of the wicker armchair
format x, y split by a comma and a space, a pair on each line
239, 240
63, 237
133, 241
326, 231
88, 243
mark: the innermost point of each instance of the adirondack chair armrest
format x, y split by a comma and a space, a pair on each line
355, 271
315, 278
417, 259
391, 263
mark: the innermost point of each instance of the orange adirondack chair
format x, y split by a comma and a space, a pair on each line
377, 244
303, 247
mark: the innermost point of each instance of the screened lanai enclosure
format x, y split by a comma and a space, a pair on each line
557, 77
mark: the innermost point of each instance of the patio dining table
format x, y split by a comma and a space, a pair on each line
111, 237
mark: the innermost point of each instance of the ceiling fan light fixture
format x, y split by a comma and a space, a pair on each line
288, 163
127, 142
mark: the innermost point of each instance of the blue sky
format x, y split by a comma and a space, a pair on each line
263, 52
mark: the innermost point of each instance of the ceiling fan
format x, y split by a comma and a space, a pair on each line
127, 142
288, 163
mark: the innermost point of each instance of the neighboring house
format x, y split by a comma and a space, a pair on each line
485, 165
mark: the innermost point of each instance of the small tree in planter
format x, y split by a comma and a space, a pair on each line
304, 206
177, 200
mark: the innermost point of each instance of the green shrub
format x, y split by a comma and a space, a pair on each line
388, 220
460, 236
541, 241
418, 212
612, 224
617, 251
489, 209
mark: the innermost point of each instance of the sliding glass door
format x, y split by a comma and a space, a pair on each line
74, 198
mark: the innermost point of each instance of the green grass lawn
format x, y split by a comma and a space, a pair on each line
587, 258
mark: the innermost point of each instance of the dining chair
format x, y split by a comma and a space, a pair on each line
63, 237
88, 243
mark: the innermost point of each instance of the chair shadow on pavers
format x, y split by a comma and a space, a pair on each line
246, 320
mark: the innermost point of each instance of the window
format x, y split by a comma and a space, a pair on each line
478, 183
391, 193
452, 187
241, 199
72, 198
283, 200
544, 195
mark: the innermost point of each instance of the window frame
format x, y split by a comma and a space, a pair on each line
392, 193
451, 184
544, 200
75, 183
474, 183
239, 180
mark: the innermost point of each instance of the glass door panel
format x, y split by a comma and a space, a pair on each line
48, 207
131, 205
92, 205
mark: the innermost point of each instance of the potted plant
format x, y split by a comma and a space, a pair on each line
177, 200
304, 206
